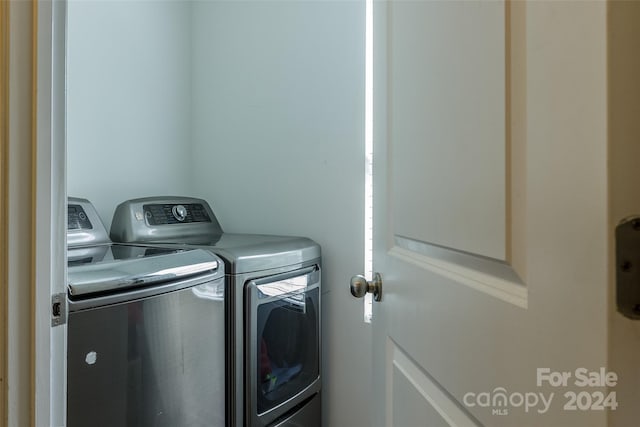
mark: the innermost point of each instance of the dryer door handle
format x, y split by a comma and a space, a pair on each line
287, 283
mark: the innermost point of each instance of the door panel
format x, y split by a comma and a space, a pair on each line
416, 397
489, 228
448, 174
449, 130
413, 407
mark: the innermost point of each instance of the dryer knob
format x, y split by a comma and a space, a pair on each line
179, 212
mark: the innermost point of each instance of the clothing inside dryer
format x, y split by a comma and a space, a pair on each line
287, 341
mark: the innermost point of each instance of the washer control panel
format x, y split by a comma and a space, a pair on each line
77, 218
84, 226
168, 213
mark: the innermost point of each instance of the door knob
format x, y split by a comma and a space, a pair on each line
360, 286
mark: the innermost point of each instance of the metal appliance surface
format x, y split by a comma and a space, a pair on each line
272, 300
145, 331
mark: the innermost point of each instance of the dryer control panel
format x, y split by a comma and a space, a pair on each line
156, 214
164, 219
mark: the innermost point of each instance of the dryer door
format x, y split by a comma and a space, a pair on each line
282, 358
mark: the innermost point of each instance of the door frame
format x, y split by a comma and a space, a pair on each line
49, 195
33, 197
4, 195
18, 82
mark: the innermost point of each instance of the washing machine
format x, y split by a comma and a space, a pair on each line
272, 303
146, 335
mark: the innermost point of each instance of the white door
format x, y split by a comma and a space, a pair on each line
490, 218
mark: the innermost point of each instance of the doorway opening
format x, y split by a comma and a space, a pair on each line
368, 143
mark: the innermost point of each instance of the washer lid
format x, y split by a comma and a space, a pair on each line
124, 267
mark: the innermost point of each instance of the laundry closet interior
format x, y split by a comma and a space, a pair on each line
254, 106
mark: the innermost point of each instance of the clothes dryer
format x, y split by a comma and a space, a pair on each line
272, 303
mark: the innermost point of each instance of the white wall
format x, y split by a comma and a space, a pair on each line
128, 100
278, 134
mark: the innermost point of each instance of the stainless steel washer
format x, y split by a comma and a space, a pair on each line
272, 307
145, 331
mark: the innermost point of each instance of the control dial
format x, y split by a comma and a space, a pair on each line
179, 212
